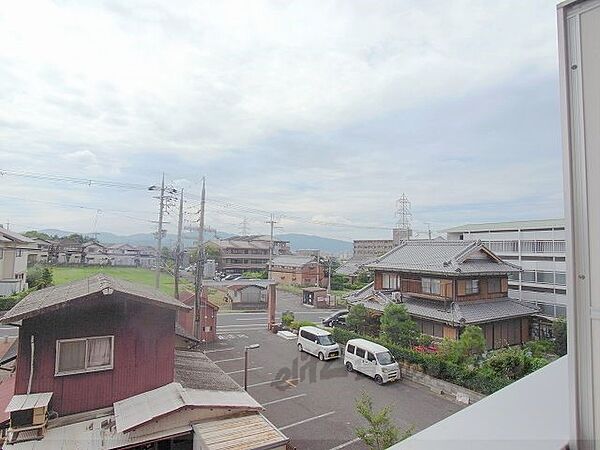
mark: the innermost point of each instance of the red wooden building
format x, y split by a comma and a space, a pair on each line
97, 364
207, 313
114, 336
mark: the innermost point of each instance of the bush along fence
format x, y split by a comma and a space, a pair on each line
482, 380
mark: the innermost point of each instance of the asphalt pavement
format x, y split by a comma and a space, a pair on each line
312, 401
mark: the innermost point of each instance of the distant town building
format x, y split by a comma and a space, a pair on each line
447, 285
207, 316
14, 251
298, 270
239, 254
538, 247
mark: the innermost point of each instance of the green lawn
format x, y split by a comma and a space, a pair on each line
63, 275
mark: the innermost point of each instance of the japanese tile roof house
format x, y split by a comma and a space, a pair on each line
298, 270
97, 368
447, 285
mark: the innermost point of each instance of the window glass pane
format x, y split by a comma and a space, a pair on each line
545, 277
360, 352
426, 285
494, 285
350, 349
560, 278
528, 275
370, 356
99, 352
435, 287
71, 356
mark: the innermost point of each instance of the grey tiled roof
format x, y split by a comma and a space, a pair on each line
353, 266
180, 331
194, 370
443, 257
55, 297
292, 260
468, 312
515, 225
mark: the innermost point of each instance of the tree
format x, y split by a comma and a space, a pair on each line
46, 279
398, 327
472, 342
33, 234
559, 330
76, 237
358, 318
39, 277
380, 432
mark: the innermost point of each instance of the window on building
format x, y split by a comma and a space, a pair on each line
560, 278
471, 287
545, 277
84, 355
494, 285
431, 286
513, 276
389, 281
19, 253
528, 276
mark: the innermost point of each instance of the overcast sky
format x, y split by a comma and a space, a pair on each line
322, 111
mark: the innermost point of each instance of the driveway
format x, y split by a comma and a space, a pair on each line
312, 401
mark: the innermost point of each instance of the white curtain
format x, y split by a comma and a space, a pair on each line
99, 352
71, 356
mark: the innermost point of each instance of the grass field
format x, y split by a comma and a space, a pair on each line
62, 275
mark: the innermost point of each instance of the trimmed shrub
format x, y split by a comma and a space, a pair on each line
287, 317
296, 324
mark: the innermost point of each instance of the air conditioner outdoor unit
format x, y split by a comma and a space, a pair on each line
28, 416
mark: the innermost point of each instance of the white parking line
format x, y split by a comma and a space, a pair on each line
345, 444
240, 371
264, 382
283, 399
244, 325
310, 419
220, 350
230, 359
252, 318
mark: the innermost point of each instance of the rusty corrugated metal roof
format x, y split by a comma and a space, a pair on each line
56, 297
246, 432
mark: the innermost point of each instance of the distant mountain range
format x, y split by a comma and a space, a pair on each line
297, 240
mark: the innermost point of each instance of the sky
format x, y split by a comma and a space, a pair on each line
323, 112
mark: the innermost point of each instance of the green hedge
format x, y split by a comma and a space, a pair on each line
480, 380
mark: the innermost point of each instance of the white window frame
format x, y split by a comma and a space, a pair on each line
110, 366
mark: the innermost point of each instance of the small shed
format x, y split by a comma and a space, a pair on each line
248, 296
316, 297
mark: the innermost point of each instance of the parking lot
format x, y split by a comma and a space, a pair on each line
312, 401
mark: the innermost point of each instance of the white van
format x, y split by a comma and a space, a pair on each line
317, 342
371, 359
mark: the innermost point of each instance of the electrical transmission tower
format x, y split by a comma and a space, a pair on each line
403, 212
244, 227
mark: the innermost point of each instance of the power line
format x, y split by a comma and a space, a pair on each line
74, 180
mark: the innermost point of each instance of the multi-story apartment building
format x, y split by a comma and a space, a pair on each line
538, 247
14, 249
239, 254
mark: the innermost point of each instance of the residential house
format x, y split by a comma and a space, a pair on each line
14, 249
298, 270
239, 254
44, 252
124, 255
207, 315
97, 368
316, 297
447, 285
248, 296
95, 254
70, 252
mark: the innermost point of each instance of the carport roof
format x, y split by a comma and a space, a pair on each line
195, 370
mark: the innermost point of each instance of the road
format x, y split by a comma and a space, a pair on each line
312, 401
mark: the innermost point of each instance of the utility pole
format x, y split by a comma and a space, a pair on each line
178, 249
160, 231
272, 222
329, 277
198, 313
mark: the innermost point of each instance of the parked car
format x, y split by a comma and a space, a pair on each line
337, 318
371, 359
317, 342
231, 277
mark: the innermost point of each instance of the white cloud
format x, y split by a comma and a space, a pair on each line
106, 90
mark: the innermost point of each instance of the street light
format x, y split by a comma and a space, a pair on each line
246, 348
